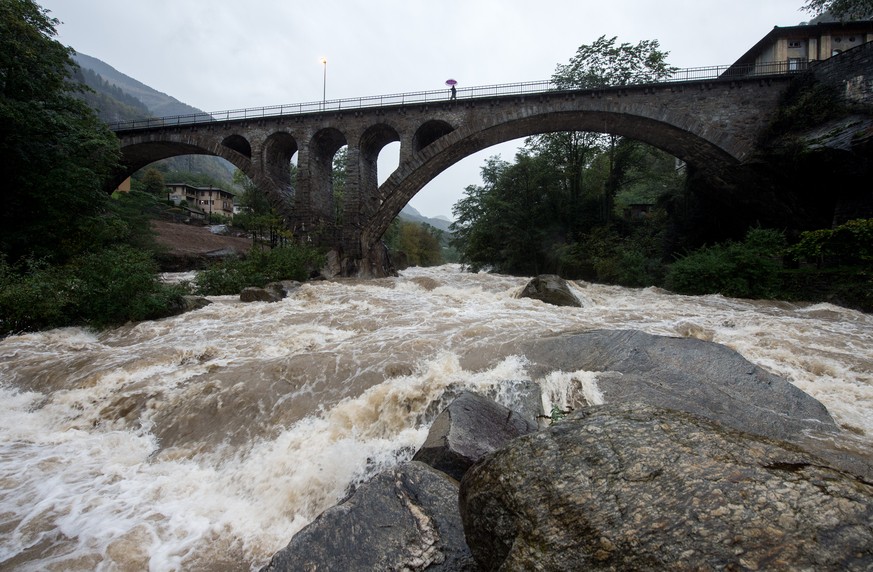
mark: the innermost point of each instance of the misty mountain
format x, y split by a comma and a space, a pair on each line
159, 104
119, 97
412, 215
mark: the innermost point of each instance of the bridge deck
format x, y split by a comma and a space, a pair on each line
677, 76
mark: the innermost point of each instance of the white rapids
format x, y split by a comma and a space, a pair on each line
205, 441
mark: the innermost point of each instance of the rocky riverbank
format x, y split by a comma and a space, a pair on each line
688, 457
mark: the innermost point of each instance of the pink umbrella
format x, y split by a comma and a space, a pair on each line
451, 82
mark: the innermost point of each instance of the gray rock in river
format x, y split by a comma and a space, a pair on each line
551, 289
691, 375
468, 429
255, 294
633, 487
402, 519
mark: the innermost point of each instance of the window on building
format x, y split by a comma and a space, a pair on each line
795, 44
796, 64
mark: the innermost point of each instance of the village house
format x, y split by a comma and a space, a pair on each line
209, 200
791, 48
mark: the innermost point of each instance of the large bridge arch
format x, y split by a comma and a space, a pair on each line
423, 167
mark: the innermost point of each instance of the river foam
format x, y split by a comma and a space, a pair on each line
204, 441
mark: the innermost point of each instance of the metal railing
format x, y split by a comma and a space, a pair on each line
463, 93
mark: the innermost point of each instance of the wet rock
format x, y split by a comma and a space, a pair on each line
691, 375
254, 294
551, 289
633, 487
403, 519
187, 304
282, 288
468, 429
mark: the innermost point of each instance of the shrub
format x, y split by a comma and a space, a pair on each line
104, 288
849, 243
750, 269
291, 262
120, 284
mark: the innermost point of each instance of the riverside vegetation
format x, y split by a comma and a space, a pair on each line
583, 205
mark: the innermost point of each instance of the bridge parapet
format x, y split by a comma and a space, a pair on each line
711, 73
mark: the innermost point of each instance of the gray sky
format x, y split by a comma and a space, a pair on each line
223, 54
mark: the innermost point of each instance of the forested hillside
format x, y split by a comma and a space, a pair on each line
118, 97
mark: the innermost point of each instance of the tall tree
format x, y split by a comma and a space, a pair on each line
842, 9
603, 63
55, 155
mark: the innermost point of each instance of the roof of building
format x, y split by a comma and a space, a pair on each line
801, 31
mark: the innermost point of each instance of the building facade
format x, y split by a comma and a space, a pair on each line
209, 200
791, 48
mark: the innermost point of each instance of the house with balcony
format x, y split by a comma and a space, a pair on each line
792, 48
208, 200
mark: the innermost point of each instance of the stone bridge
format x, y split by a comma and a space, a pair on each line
712, 124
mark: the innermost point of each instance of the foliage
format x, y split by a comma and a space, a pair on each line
153, 182
261, 266
107, 287
338, 181
749, 269
843, 9
603, 63
54, 153
807, 103
420, 243
849, 243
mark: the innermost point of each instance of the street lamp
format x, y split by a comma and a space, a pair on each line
324, 84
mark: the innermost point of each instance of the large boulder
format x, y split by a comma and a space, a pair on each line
255, 294
468, 429
633, 487
187, 304
402, 519
551, 289
688, 374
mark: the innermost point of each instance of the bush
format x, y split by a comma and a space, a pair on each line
34, 296
104, 288
291, 262
121, 284
750, 269
848, 244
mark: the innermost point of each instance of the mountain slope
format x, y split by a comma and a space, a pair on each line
411, 214
159, 104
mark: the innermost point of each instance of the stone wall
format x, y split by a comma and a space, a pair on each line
852, 71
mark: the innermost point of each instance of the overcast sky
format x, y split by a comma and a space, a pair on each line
232, 54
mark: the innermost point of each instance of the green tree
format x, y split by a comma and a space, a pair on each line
605, 64
55, 155
842, 9
153, 182
338, 182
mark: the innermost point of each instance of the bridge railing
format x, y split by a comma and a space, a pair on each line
441, 95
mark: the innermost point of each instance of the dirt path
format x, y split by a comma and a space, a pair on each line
184, 239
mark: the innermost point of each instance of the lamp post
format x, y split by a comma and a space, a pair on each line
324, 84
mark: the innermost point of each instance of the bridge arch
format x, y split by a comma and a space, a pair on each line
278, 150
428, 132
425, 165
315, 178
146, 148
239, 144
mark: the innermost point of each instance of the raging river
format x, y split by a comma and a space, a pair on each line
206, 440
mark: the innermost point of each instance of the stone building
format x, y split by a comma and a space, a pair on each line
209, 200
